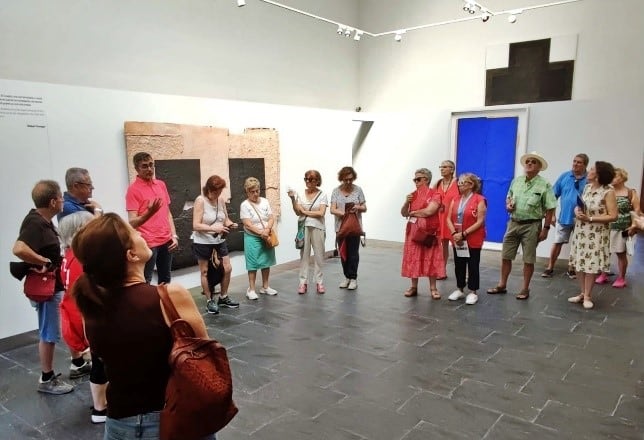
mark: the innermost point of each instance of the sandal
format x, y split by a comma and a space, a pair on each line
412, 291
497, 289
524, 294
576, 299
435, 293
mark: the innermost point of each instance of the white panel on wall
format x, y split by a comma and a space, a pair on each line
497, 56
563, 48
85, 129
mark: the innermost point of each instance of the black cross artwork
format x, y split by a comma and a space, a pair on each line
529, 77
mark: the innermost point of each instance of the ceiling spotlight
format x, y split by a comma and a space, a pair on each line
347, 32
357, 35
398, 36
512, 18
485, 16
241, 3
340, 30
469, 6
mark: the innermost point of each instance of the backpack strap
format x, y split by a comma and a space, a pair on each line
170, 309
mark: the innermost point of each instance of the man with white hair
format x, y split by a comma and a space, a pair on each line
78, 196
530, 200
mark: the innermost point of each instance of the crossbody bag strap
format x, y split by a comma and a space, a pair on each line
257, 212
169, 307
311, 205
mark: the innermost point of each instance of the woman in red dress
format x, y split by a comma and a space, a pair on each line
420, 260
448, 190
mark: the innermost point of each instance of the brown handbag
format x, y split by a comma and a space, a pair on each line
39, 287
199, 394
272, 240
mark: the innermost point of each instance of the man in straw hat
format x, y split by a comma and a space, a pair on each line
530, 200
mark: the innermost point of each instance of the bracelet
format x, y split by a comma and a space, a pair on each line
454, 233
464, 233
591, 219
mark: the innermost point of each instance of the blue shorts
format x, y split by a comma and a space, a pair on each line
49, 318
141, 427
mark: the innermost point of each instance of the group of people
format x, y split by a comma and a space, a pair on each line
598, 214
105, 266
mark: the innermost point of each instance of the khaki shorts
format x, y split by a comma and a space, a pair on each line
526, 235
617, 242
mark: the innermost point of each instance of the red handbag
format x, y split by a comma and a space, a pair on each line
424, 231
349, 227
39, 287
199, 394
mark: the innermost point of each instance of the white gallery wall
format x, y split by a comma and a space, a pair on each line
412, 88
208, 62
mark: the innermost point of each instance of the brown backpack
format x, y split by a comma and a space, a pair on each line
199, 394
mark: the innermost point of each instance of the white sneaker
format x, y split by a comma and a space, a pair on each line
471, 299
353, 285
268, 291
344, 284
456, 295
250, 294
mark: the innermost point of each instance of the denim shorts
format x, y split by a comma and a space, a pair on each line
49, 318
143, 426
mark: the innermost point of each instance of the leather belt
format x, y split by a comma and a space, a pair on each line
525, 222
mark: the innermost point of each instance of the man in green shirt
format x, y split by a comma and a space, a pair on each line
530, 200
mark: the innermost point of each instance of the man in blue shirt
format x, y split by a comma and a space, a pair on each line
568, 189
78, 196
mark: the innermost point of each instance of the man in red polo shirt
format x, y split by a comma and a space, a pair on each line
148, 209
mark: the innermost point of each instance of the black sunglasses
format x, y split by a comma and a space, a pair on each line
417, 179
310, 179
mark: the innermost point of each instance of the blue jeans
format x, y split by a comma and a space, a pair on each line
143, 426
162, 259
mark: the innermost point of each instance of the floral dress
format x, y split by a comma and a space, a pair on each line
589, 249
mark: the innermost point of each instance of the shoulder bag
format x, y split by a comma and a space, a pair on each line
271, 241
199, 394
39, 287
299, 237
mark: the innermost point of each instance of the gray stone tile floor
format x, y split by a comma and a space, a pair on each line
372, 364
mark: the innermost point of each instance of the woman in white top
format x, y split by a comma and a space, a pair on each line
210, 224
256, 215
311, 207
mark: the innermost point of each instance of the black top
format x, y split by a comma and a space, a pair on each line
134, 342
41, 236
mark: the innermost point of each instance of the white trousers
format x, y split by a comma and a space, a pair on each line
313, 238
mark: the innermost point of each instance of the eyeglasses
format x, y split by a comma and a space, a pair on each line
531, 161
89, 185
445, 166
418, 179
463, 182
348, 179
146, 166
310, 179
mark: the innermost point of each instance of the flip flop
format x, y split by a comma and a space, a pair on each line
435, 294
524, 294
497, 289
